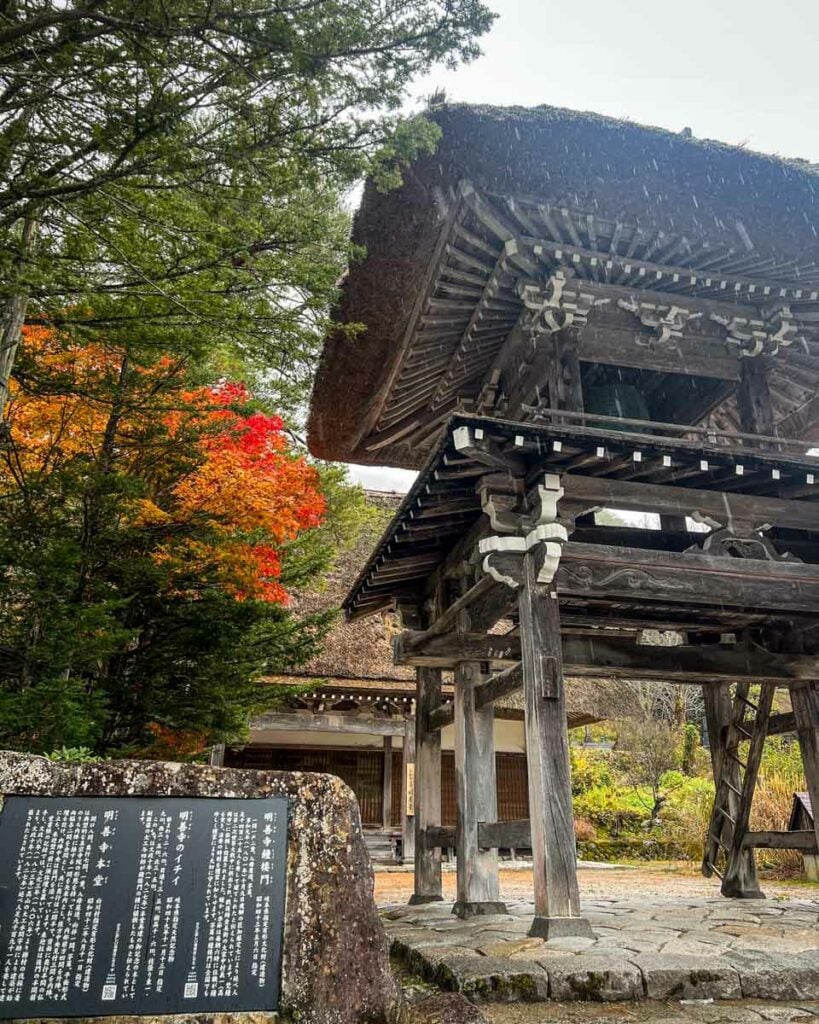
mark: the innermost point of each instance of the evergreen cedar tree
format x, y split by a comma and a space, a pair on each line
177, 167
130, 494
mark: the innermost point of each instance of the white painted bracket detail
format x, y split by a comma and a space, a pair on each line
551, 535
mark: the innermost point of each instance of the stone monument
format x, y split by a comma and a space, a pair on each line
144, 888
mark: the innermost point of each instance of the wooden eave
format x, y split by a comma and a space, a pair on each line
493, 245
443, 506
630, 213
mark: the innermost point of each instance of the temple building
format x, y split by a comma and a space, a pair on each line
562, 314
347, 712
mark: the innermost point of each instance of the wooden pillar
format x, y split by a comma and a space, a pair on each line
217, 755
754, 397
478, 886
565, 386
427, 887
408, 792
718, 712
805, 704
557, 899
386, 785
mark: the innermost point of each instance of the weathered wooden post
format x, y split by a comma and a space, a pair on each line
557, 898
527, 561
805, 704
478, 887
427, 887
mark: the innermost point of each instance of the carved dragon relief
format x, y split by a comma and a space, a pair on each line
587, 577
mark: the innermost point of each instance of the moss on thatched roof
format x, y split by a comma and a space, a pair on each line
656, 180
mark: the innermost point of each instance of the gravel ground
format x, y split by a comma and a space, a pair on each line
667, 880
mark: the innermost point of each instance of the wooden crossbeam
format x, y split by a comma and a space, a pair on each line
797, 840
298, 721
724, 507
491, 835
499, 685
598, 570
441, 717
609, 656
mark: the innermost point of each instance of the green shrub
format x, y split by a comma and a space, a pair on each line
590, 768
611, 809
82, 754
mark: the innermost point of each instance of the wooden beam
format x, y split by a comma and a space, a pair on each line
800, 840
440, 717
779, 724
447, 619
438, 837
590, 655
802, 421
616, 346
477, 882
724, 507
501, 684
427, 876
736, 882
597, 570
754, 397
507, 834
299, 721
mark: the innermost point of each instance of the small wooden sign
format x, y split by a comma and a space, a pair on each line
410, 793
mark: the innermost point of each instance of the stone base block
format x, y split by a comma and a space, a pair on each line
465, 908
419, 899
560, 928
688, 977
602, 979
487, 979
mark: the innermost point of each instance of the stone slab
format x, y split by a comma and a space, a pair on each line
494, 980
687, 977
335, 965
599, 979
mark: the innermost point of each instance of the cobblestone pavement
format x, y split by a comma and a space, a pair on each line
646, 946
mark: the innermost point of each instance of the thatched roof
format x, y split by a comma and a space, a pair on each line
355, 650
357, 656
710, 205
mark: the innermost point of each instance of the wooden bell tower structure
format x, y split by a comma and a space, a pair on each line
565, 314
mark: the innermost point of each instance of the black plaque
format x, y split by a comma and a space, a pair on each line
122, 905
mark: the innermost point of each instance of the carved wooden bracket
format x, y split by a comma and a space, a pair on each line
555, 305
760, 337
536, 531
733, 542
667, 322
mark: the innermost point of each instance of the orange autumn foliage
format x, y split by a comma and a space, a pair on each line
221, 488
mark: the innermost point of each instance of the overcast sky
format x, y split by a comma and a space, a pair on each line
742, 71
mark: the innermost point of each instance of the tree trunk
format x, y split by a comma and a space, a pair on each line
14, 314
